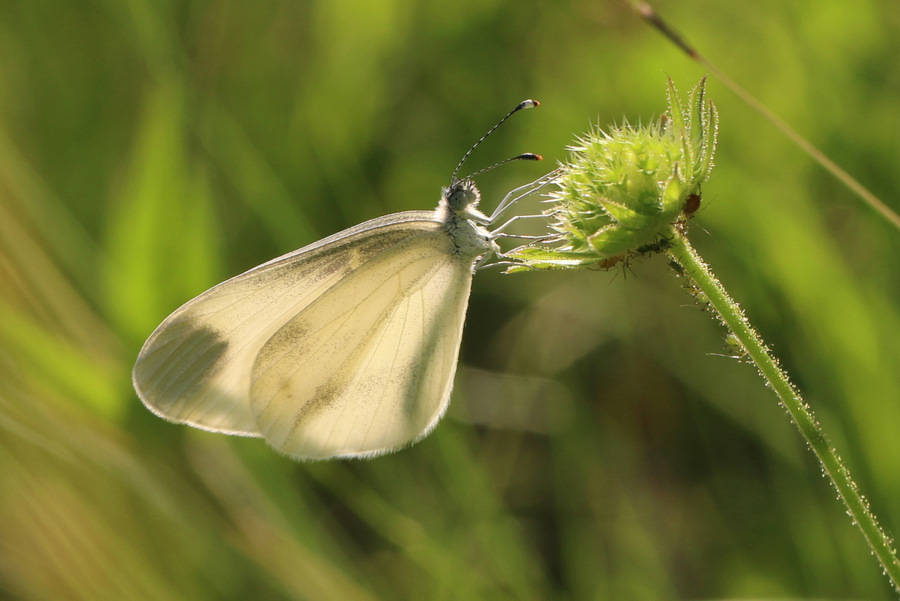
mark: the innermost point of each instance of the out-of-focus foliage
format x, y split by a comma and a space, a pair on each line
599, 445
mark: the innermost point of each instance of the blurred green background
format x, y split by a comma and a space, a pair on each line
600, 444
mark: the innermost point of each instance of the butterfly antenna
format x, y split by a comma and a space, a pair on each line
525, 104
528, 156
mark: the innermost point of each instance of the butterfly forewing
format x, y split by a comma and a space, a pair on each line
196, 367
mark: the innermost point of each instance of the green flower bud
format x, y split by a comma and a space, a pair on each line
624, 190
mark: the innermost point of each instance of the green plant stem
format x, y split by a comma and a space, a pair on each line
734, 319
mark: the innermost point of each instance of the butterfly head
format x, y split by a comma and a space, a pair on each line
462, 194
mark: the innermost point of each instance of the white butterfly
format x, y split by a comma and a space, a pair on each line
344, 348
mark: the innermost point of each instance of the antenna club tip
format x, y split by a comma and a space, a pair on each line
530, 156
529, 104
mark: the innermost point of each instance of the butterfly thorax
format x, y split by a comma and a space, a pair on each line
458, 211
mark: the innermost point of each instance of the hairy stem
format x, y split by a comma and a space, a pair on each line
734, 319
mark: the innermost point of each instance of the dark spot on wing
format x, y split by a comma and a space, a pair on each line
177, 362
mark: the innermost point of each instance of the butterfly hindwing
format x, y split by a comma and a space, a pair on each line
367, 377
